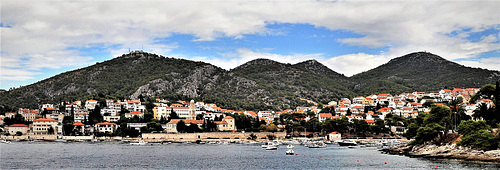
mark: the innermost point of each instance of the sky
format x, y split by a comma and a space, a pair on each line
40, 39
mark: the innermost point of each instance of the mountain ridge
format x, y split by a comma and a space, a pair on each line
256, 84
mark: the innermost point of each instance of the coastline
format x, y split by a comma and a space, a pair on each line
448, 151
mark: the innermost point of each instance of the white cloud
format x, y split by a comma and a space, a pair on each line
243, 55
41, 34
490, 63
351, 64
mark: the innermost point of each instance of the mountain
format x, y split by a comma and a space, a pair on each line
421, 71
256, 85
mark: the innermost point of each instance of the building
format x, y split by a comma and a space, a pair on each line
324, 116
134, 113
13, 129
90, 104
44, 126
172, 125
227, 124
105, 127
334, 136
81, 116
79, 127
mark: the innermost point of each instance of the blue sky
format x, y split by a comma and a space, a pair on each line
42, 39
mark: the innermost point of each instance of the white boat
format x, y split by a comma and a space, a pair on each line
290, 146
138, 142
317, 145
271, 146
290, 152
5, 141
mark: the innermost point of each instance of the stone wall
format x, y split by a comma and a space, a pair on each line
208, 136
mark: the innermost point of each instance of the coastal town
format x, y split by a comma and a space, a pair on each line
166, 116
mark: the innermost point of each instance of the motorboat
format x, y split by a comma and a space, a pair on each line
290, 152
347, 143
5, 141
138, 142
290, 146
271, 146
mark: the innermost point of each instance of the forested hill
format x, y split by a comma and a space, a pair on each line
256, 85
421, 71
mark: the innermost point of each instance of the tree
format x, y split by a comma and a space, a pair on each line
199, 116
181, 126
428, 133
482, 139
50, 131
440, 115
173, 115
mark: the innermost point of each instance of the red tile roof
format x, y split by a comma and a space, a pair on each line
228, 117
105, 123
136, 113
370, 121
18, 125
78, 124
44, 119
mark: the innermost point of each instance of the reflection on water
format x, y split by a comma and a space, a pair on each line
191, 156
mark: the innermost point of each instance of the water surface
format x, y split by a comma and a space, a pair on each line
42, 155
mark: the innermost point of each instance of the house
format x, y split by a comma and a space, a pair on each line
80, 116
44, 126
137, 126
358, 100
29, 115
13, 129
105, 127
90, 104
334, 136
324, 116
79, 127
264, 114
250, 113
370, 122
227, 124
172, 125
134, 113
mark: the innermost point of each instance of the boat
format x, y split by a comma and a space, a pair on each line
317, 145
290, 152
5, 141
138, 142
271, 146
290, 146
347, 143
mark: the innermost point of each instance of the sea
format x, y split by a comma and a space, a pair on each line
115, 155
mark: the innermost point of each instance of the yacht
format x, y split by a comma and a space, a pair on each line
347, 143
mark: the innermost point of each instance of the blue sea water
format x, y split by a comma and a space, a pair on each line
112, 155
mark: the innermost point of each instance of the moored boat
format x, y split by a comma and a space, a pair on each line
347, 143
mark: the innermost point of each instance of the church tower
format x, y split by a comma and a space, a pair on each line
192, 110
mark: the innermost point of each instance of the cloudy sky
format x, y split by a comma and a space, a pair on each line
40, 39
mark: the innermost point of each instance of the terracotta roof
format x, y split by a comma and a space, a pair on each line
44, 119
18, 125
78, 124
105, 123
136, 113
370, 121
221, 122
228, 117
50, 108
175, 121
325, 115
91, 100
334, 133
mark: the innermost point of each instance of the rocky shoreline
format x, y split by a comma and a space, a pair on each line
448, 151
